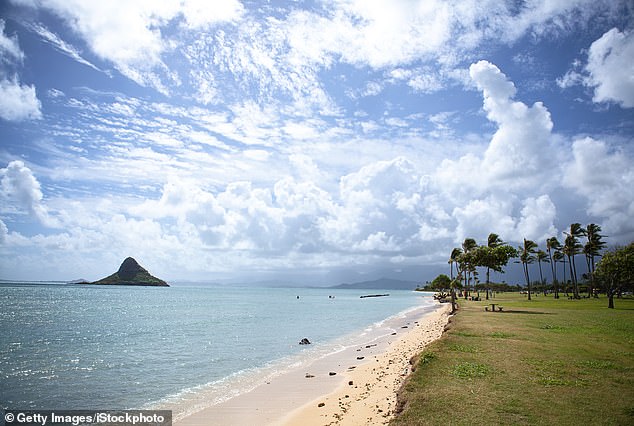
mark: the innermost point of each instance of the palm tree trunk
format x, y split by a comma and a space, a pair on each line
487, 289
553, 270
593, 267
541, 276
565, 282
555, 282
573, 273
528, 280
591, 284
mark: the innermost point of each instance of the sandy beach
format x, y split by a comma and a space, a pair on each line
356, 386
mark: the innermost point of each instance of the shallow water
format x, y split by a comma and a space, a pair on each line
75, 347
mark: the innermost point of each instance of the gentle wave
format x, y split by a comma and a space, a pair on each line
72, 347
196, 398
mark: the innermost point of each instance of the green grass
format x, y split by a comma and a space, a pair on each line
543, 362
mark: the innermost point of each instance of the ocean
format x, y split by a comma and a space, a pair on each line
182, 347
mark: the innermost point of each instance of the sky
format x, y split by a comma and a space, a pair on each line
307, 141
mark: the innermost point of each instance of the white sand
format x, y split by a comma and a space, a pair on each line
294, 399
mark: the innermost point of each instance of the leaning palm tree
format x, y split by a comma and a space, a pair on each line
494, 240
527, 257
553, 245
454, 258
592, 249
571, 248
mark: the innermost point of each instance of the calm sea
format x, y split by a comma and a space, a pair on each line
76, 347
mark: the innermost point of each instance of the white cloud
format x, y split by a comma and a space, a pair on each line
382, 33
521, 155
274, 170
284, 55
544, 17
199, 15
133, 40
570, 79
372, 88
67, 49
537, 219
476, 218
19, 184
605, 179
323, 196
479, 217
373, 34
9, 46
425, 83
611, 69
287, 51
4, 232
521, 152
608, 70
520, 162
377, 209
18, 102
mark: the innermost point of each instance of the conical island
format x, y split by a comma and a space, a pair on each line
131, 273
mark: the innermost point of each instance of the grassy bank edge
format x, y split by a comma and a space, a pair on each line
545, 361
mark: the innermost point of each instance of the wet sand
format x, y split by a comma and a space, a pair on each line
312, 395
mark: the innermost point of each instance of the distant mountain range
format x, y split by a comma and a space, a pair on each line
381, 284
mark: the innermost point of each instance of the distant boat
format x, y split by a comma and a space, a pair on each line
373, 295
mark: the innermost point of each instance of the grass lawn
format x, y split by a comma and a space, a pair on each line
547, 361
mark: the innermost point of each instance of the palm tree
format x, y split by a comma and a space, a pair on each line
571, 248
541, 256
592, 249
468, 245
526, 257
454, 258
454, 283
493, 241
559, 256
553, 245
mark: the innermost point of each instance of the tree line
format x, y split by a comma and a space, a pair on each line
613, 273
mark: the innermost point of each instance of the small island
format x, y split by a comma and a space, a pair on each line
131, 273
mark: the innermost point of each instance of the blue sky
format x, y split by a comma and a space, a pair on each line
306, 141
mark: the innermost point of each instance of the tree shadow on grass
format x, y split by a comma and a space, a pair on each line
526, 312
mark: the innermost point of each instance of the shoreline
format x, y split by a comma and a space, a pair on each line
377, 369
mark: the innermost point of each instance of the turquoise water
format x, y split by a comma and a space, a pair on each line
75, 347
